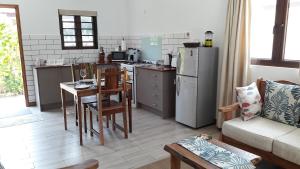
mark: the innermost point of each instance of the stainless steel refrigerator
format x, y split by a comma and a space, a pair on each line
196, 86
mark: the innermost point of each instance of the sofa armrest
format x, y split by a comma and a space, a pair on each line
228, 111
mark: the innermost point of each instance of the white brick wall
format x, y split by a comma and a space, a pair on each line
171, 42
49, 47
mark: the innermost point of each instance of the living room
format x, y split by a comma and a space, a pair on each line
187, 70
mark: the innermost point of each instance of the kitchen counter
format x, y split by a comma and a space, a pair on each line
69, 65
160, 68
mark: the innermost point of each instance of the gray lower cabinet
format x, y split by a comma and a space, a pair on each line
47, 89
156, 91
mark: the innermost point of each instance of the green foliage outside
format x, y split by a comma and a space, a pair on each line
10, 66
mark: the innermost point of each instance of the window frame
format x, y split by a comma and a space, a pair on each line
78, 33
279, 39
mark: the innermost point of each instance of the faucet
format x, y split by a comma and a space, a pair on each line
74, 60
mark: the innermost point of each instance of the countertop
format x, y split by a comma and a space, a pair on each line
160, 68
68, 65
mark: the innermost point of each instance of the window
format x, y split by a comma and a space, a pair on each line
78, 31
275, 32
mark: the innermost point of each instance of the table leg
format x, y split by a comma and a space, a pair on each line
63, 102
129, 113
78, 99
175, 162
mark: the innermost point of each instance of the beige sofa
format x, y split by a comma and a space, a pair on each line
275, 142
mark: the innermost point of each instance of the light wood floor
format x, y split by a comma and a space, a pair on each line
45, 144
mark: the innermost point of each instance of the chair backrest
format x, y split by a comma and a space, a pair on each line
114, 82
91, 69
261, 85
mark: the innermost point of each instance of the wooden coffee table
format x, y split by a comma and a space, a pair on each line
179, 153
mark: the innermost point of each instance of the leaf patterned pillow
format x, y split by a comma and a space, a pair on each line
250, 101
282, 103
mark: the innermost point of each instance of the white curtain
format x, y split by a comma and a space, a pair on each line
235, 59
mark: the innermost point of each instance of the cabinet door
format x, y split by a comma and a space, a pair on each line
149, 88
143, 86
49, 89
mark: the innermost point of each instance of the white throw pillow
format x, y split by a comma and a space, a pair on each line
250, 101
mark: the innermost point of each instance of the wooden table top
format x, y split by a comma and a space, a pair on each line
197, 162
70, 87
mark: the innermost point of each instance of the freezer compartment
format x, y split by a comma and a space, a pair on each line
187, 62
186, 100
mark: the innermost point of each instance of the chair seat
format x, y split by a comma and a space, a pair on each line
89, 99
258, 132
288, 146
107, 105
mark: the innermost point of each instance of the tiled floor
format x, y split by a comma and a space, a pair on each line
45, 144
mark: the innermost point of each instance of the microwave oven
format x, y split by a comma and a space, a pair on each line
119, 56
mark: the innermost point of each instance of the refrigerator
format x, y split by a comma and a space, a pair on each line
196, 86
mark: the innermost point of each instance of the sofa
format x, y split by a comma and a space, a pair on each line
275, 142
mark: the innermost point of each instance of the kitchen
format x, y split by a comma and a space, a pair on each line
154, 107
155, 86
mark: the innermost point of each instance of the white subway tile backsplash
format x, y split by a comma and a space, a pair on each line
75, 51
49, 47
34, 42
102, 41
46, 42
53, 47
25, 37
26, 42
52, 37
26, 47
38, 47
46, 52
57, 42
31, 98
29, 77
61, 51
54, 56
179, 35
33, 37
30, 73
30, 83
31, 52
105, 37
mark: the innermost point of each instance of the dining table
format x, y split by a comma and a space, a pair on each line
70, 87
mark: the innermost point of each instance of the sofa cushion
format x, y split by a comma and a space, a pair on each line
282, 102
249, 100
258, 132
288, 146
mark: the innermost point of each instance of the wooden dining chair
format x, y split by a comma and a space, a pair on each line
91, 69
115, 83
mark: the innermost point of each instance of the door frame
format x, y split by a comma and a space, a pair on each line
25, 87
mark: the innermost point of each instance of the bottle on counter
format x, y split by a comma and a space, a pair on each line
109, 58
123, 45
101, 56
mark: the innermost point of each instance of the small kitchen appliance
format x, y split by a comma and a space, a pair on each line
119, 56
208, 39
134, 55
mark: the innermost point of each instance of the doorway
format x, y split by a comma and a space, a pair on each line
13, 86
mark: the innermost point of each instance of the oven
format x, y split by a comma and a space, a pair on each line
131, 77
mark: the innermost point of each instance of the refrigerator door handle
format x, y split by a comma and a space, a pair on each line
178, 63
178, 86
